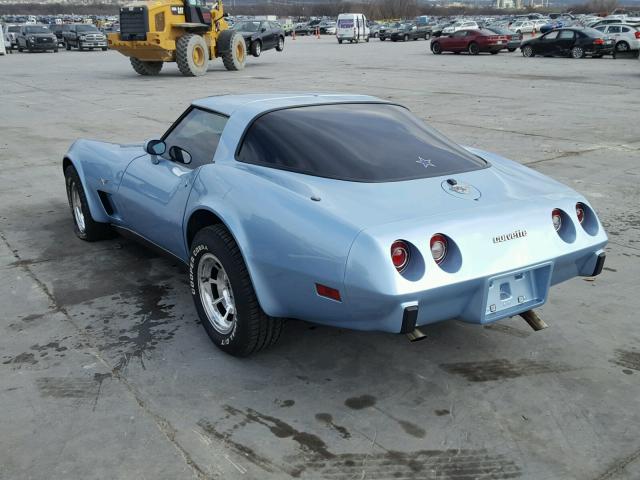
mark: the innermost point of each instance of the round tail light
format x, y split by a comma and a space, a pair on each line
438, 247
400, 255
580, 212
556, 217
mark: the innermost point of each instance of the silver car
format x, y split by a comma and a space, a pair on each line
627, 37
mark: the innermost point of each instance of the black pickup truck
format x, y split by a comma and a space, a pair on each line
84, 36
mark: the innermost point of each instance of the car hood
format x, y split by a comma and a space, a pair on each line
501, 185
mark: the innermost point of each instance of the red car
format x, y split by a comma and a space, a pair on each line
472, 41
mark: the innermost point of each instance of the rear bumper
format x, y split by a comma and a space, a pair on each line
481, 300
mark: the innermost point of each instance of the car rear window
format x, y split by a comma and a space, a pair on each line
345, 23
363, 142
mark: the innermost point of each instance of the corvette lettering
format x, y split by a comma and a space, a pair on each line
510, 236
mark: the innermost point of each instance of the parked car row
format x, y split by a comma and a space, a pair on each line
576, 42
38, 37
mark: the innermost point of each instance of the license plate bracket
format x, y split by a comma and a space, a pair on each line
515, 292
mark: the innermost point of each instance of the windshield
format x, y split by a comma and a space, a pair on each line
86, 28
368, 142
37, 29
247, 26
14, 29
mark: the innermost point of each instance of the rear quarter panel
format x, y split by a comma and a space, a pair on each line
289, 242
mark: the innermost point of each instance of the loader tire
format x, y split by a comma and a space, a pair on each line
233, 50
145, 68
192, 55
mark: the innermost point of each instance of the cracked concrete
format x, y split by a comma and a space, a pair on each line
105, 371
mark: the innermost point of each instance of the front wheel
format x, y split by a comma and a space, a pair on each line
436, 48
84, 226
67, 46
527, 51
233, 50
256, 48
473, 48
495, 52
405, 38
224, 296
145, 68
577, 52
280, 46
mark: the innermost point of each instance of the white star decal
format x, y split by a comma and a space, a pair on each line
425, 162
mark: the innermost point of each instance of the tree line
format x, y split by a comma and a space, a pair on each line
375, 9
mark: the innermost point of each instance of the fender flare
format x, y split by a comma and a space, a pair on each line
95, 206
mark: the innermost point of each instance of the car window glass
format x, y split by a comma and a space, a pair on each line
198, 133
614, 29
551, 36
343, 141
566, 35
625, 29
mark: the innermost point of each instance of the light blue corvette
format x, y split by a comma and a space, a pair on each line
344, 210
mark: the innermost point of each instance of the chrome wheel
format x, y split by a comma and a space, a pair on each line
76, 205
216, 294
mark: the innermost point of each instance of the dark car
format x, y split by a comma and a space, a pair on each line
302, 29
36, 38
385, 31
405, 32
260, 35
513, 39
472, 41
574, 42
84, 36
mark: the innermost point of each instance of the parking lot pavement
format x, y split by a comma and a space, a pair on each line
106, 373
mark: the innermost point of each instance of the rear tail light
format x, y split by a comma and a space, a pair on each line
598, 41
438, 247
637, 34
580, 212
400, 255
556, 217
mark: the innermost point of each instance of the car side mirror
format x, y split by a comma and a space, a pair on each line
263, 29
180, 155
155, 147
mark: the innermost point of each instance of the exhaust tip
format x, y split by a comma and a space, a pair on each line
416, 335
534, 320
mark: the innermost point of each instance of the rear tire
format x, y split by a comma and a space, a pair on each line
67, 46
145, 68
577, 52
84, 226
280, 46
228, 307
405, 38
511, 50
340, 41
622, 46
192, 55
495, 52
233, 50
104, 49
527, 51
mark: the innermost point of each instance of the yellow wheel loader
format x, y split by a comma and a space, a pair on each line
181, 31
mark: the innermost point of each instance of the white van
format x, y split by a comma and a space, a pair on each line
352, 27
